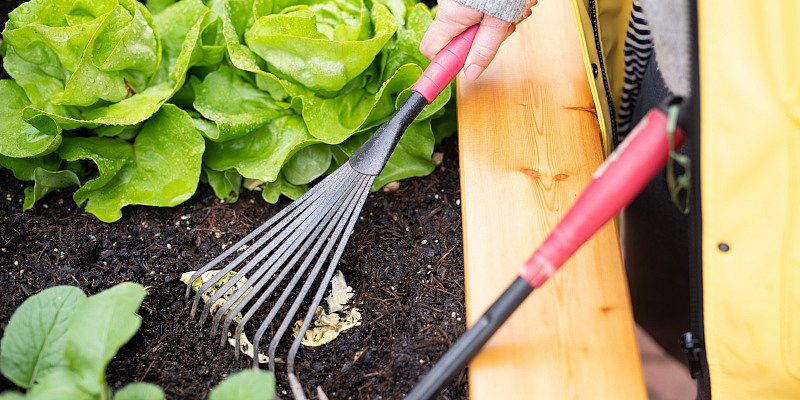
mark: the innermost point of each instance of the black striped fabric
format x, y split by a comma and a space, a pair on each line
638, 49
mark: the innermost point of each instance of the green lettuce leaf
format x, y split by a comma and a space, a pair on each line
226, 184
272, 191
412, 157
243, 108
308, 164
86, 52
46, 182
261, 153
161, 168
18, 138
156, 6
33, 343
24, 168
281, 91
321, 45
182, 28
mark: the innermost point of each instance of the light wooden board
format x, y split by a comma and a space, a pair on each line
529, 142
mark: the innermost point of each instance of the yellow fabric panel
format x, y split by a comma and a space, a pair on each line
586, 36
750, 93
613, 17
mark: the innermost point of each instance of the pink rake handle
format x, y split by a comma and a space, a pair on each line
446, 65
615, 184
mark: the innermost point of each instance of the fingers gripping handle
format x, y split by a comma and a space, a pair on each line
615, 184
446, 65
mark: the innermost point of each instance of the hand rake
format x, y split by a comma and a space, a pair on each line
614, 185
306, 231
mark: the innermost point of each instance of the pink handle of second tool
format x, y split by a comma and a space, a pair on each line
615, 184
446, 65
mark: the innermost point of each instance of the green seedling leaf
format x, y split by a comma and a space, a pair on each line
61, 384
33, 343
12, 396
98, 328
139, 391
247, 384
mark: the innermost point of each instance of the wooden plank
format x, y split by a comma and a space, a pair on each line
529, 142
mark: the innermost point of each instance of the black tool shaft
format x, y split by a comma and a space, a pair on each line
373, 155
471, 342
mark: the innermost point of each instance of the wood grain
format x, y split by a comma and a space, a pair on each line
529, 142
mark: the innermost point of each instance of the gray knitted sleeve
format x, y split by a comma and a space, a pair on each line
507, 10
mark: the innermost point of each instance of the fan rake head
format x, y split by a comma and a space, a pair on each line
280, 261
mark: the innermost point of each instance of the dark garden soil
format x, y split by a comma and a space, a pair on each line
404, 261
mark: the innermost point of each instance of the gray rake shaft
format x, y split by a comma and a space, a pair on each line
323, 216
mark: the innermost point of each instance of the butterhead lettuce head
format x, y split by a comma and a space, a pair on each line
136, 103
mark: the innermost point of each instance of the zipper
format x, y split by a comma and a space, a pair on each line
609, 98
694, 341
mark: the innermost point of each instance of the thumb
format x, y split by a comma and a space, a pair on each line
491, 34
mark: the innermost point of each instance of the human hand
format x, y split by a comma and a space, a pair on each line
454, 18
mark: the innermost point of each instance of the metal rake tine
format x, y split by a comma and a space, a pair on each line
263, 275
297, 388
296, 229
353, 218
262, 253
323, 240
330, 241
293, 220
211, 264
329, 225
281, 277
257, 245
287, 247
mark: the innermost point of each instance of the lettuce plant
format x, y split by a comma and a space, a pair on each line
59, 343
134, 104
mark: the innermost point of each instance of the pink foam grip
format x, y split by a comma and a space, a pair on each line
614, 185
446, 65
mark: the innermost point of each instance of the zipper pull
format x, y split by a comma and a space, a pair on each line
692, 348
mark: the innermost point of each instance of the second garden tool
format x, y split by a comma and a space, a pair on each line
614, 185
286, 256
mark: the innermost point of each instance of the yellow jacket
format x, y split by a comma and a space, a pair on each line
748, 163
